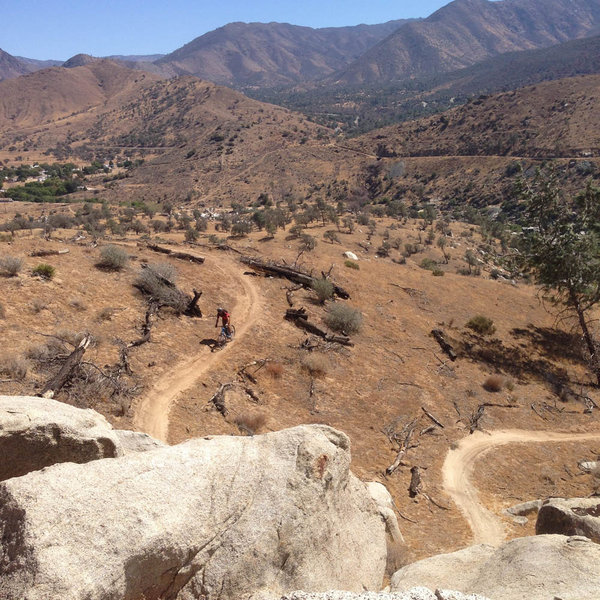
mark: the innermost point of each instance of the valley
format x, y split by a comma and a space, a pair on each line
407, 241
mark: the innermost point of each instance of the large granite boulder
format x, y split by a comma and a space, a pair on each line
573, 516
36, 433
536, 568
418, 593
213, 518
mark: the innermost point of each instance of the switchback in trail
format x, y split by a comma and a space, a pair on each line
459, 465
152, 412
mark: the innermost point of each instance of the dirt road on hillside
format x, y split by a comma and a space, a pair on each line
459, 465
152, 412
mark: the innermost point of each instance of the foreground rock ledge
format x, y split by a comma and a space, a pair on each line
541, 567
221, 517
36, 433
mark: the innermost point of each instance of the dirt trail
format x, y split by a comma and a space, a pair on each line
152, 412
459, 465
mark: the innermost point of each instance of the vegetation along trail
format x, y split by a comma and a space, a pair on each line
152, 412
459, 465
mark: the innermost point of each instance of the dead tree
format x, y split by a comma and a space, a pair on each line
193, 310
300, 319
403, 439
294, 275
175, 254
440, 338
71, 364
416, 485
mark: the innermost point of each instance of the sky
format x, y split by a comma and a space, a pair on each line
59, 29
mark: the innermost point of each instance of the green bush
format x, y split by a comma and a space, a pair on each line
481, 325
428, 264
437, 272
323, 288
44, 270
112, 258
352, 265
344, 318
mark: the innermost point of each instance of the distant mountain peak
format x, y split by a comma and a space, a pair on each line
80, 60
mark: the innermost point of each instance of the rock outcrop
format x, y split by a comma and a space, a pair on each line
418, 593
573, 516
36, 433
136, 441
212, 518
385, 504
537, 568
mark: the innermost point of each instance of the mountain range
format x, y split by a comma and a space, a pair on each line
267, 55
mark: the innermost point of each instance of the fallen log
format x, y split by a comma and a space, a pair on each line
39, 253
403, 439
300, 319
432, 417
54, 385
175, 253
294, 275
416, 485
440, 338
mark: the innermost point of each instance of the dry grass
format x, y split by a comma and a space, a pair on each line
493, 383
38, 305
344, 318
105, 314
397, 557
77, 304
2, 311
250, 423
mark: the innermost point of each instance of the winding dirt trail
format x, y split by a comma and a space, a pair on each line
152, 412
459, 465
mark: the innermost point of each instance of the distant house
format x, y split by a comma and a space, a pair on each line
5, 199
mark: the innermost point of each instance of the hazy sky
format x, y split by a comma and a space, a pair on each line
58, 29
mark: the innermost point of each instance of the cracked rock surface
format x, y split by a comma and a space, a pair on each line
214, 518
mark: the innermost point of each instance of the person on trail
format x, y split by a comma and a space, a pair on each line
226, 321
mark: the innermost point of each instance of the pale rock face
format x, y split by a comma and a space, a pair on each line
536, 568
417, 593
36, 433
383, 500
136, 441
216, 518
350, 255
573, 516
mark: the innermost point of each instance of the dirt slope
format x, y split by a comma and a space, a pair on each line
460, 463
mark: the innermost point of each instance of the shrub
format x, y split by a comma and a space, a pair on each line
15, 368
38, 305
352, 265
274, 369
316, 364
344, 318
250, 423
77, 304
493, 383
11, 265
428, 264
481, 325
112, 258
105, 314
158, 282
44, 270
323, 288
437, 272
191, 235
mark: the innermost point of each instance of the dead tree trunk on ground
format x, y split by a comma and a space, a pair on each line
69, 367
294, 275
175, 254
440, 338
403, 439
300, 319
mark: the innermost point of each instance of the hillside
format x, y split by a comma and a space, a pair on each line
360, 108
270, 54
11, 66
44, 97
465, 32
552, 119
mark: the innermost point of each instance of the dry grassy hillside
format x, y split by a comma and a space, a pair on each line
32, 102
551, 119
529, 373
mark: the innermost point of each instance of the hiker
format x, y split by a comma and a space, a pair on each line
226, 321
